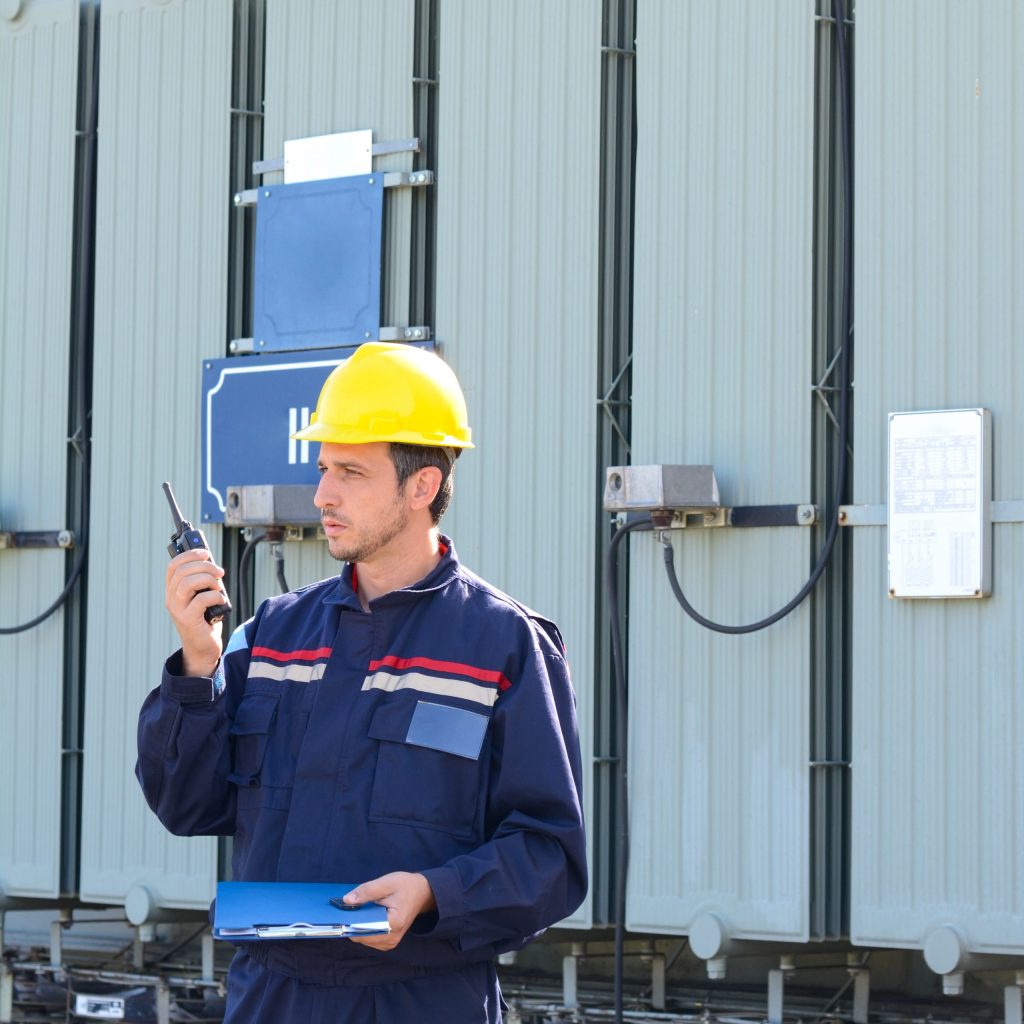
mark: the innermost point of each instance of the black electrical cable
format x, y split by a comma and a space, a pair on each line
245, 612
279, 567
846, 344
621, 720
61, 598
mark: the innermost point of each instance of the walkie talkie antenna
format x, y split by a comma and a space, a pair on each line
175, 511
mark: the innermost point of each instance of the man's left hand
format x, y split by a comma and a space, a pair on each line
406, 895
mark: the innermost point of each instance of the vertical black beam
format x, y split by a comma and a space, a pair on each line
829, 739
615, 346
79, 438
424, 200
248, 61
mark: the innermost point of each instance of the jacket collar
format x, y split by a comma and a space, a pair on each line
344, 591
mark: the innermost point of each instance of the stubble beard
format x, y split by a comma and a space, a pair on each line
380, 535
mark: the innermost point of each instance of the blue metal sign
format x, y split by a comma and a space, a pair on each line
316, 279
250, 406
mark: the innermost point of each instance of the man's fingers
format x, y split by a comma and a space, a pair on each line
186, 558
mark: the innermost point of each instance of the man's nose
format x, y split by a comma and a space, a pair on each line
323, 498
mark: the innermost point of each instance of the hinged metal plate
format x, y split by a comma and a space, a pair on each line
318, 263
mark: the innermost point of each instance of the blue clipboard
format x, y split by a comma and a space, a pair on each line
247, 911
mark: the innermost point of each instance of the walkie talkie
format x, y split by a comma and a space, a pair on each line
186, 538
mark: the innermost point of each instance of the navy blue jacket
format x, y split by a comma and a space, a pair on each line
435, 733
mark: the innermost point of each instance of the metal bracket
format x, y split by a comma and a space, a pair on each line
878, 515
420, 332
737, 517
38, 539
392, 179
378, 149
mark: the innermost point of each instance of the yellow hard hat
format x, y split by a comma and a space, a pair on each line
385, 392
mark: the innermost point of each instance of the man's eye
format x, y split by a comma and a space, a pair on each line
321, 470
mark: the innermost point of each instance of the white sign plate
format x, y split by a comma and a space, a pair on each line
328, 156
99, 1007
940, 493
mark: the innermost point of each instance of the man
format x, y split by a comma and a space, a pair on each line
404, 726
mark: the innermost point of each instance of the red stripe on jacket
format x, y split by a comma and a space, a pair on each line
483, 674
266, 652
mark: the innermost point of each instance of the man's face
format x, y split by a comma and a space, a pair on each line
361, 507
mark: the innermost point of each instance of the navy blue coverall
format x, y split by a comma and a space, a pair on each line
435, 733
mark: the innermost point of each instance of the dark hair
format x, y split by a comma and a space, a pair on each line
411, 458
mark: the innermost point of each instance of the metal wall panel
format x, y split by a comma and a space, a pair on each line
517, 304
38, 90
334, 67
722, 348
938, 766
161, 244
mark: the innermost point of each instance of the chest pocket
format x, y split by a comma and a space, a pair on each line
266, 742
430, 769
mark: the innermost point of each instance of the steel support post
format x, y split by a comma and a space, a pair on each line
6, 993
658, 981
163, 1002
570, 977
861, 995
56, 943
776, 989
1013, 1002
208, 958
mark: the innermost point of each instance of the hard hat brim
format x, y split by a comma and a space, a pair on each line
334, 433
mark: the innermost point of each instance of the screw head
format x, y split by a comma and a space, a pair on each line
371, 181
262, 343
238, 198
266, 193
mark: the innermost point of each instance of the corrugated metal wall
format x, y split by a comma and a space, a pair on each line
938, 763
722, 351
161, 257
517, 302
334, 67
38, 60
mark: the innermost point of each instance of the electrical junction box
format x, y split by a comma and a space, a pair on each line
271, 505
940, 497
661, 488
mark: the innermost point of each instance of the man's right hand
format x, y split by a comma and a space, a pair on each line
193, 585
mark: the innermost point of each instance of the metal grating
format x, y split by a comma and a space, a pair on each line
38, 59
938, 767
722, 362
517, 303
162, 227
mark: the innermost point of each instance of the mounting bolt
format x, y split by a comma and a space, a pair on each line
266, 194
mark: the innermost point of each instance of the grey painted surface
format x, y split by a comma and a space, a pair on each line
722, 344
334, 68
38, 59
162, 207
938, 766
517, 303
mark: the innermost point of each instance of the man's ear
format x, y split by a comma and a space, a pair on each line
423, 486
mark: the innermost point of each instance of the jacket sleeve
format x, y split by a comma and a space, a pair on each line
184, 744
532, 872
